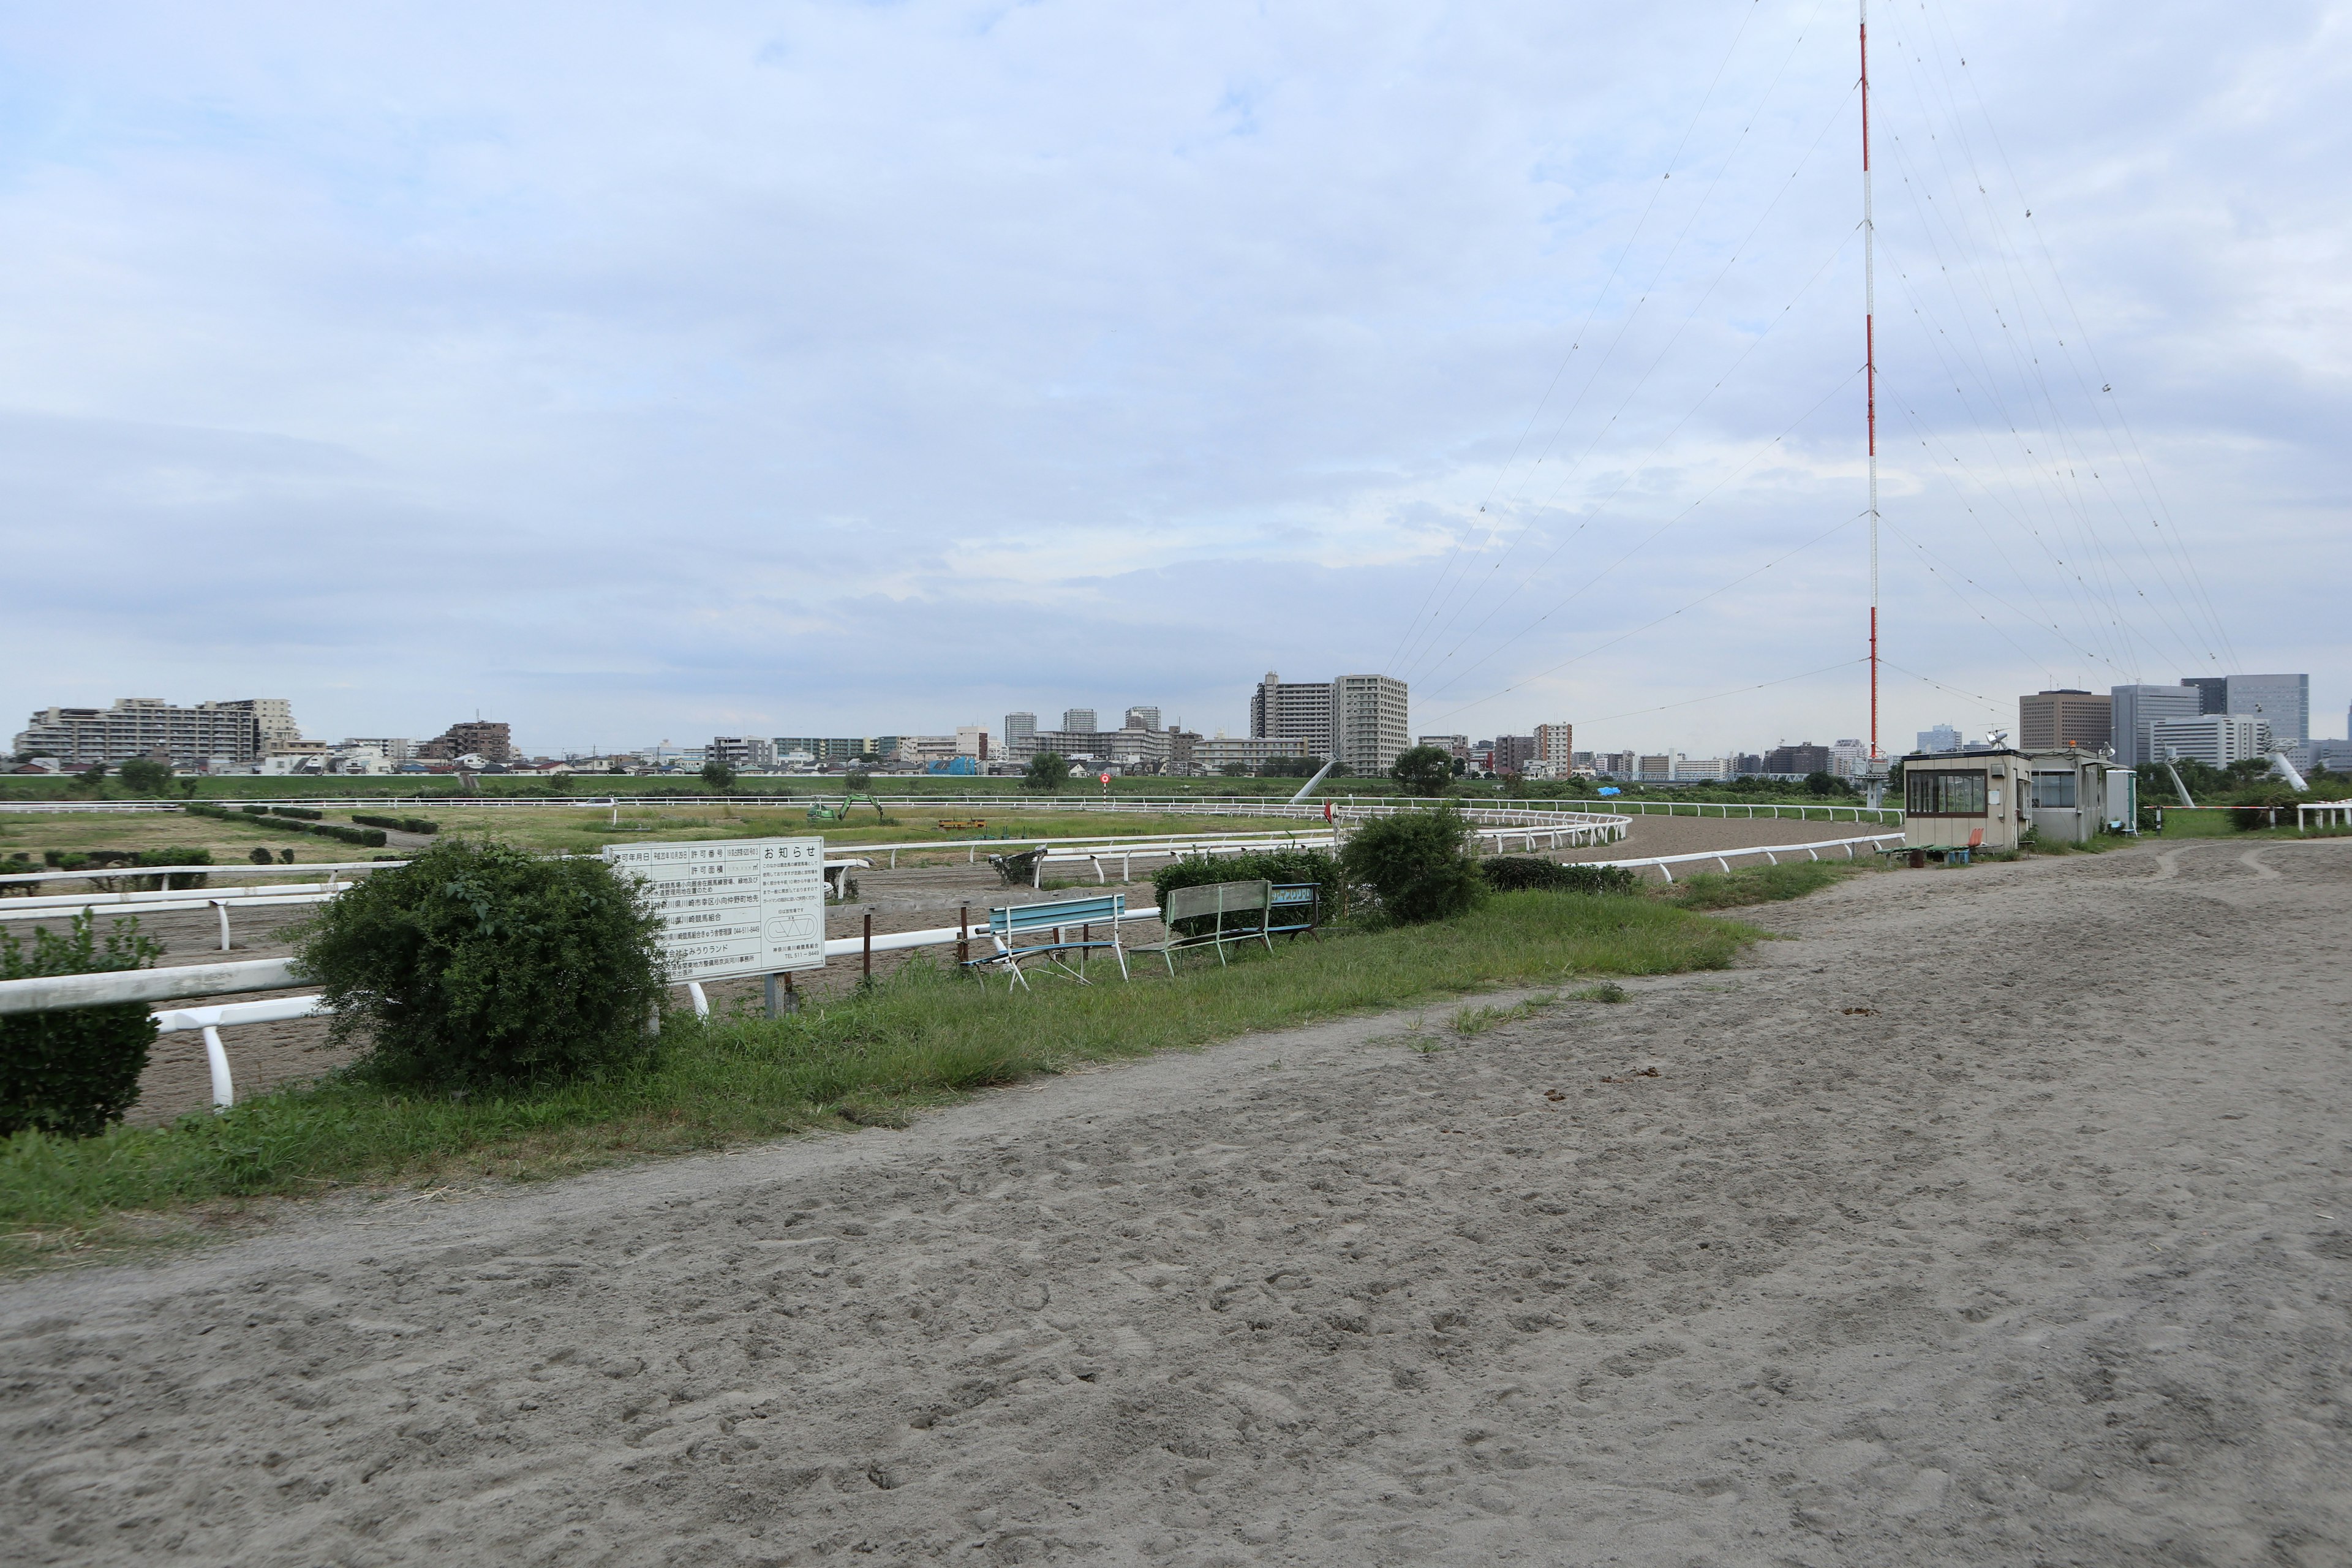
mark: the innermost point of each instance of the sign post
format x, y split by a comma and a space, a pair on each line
733, 907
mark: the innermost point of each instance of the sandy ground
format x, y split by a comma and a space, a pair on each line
1998, 1217
908, 898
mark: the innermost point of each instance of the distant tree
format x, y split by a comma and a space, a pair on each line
1290, 767
1826, 783
146, 775
718, 776
1047, 769
1235, 770
859, 779
90, 777
1424, 770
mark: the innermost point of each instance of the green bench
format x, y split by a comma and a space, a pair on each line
1219, 903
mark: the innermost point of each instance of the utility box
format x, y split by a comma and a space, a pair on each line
1963, 800
2066, 795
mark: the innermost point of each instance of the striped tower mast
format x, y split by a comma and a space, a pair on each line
1870, 371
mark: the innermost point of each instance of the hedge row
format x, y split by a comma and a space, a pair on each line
371, 838
405, 823
303, 813
73, 1070
1518, 873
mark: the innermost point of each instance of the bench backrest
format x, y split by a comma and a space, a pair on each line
1292, 895
1020, 918
1214, 899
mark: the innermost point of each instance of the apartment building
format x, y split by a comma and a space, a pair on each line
240, 731
1556, 749
487, 739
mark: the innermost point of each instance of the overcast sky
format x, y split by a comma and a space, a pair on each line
634, 373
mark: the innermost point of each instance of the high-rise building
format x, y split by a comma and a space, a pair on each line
2216, 739
1141, 717
2133, 708
2212, 692
1020, 736
1293, 710
1556, 748
1942, 738
2064, 717
149, 726
1077, 720
1748, 762
1369, 717
2282, 701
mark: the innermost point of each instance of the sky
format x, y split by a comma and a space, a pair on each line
638, 373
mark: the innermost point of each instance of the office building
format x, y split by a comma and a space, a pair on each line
1616, 765
1141, 717
1137, 750
1077, 720
1020, 736
1799, 760
1942, 738
2065, 717
1747, 763
2216, 739
836, 749
2282, 701
1694, 769
971, 740
1659, 769
241, 731
2134, 709
1451, 745
2212, 692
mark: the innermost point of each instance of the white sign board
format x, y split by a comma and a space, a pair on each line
733, 906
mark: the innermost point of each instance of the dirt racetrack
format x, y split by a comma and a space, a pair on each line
1997, 1217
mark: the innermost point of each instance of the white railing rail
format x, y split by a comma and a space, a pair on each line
2322, 814
234, 868
1073, 802
1771, 853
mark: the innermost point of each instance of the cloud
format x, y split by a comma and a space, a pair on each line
629, 372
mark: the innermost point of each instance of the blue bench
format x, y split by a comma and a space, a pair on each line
1292, 907
1044, 933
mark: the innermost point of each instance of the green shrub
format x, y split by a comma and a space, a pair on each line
405, 823
481, 962
1518, 873
262, 857
2280, 798
146, 775
307, 814
73, 1071
1416, 863
1317, 865
173, 857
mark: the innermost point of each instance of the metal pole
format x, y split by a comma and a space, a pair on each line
1870, 366
866, 959
775, 1001
963, 934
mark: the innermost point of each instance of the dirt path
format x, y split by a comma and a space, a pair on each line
2043, 1259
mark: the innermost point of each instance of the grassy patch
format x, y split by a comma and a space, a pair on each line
918, 1038
1469, 1021
1607, 991
1755, 885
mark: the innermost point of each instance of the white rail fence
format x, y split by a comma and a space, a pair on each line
1074, 804
50, 992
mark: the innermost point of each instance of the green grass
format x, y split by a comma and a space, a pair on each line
920, 1037
1757, 884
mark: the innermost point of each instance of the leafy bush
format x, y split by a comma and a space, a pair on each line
292, 819
73, 1071
2280, 798
481, 962
261, 856
146, 775
718, 776
173, 857
1317, 865
1416, 863
1516, 873
1047, 769
307, 814
1424, 770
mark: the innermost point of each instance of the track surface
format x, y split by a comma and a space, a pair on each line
2044, 1259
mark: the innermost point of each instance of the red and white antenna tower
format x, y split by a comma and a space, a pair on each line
1870, 371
